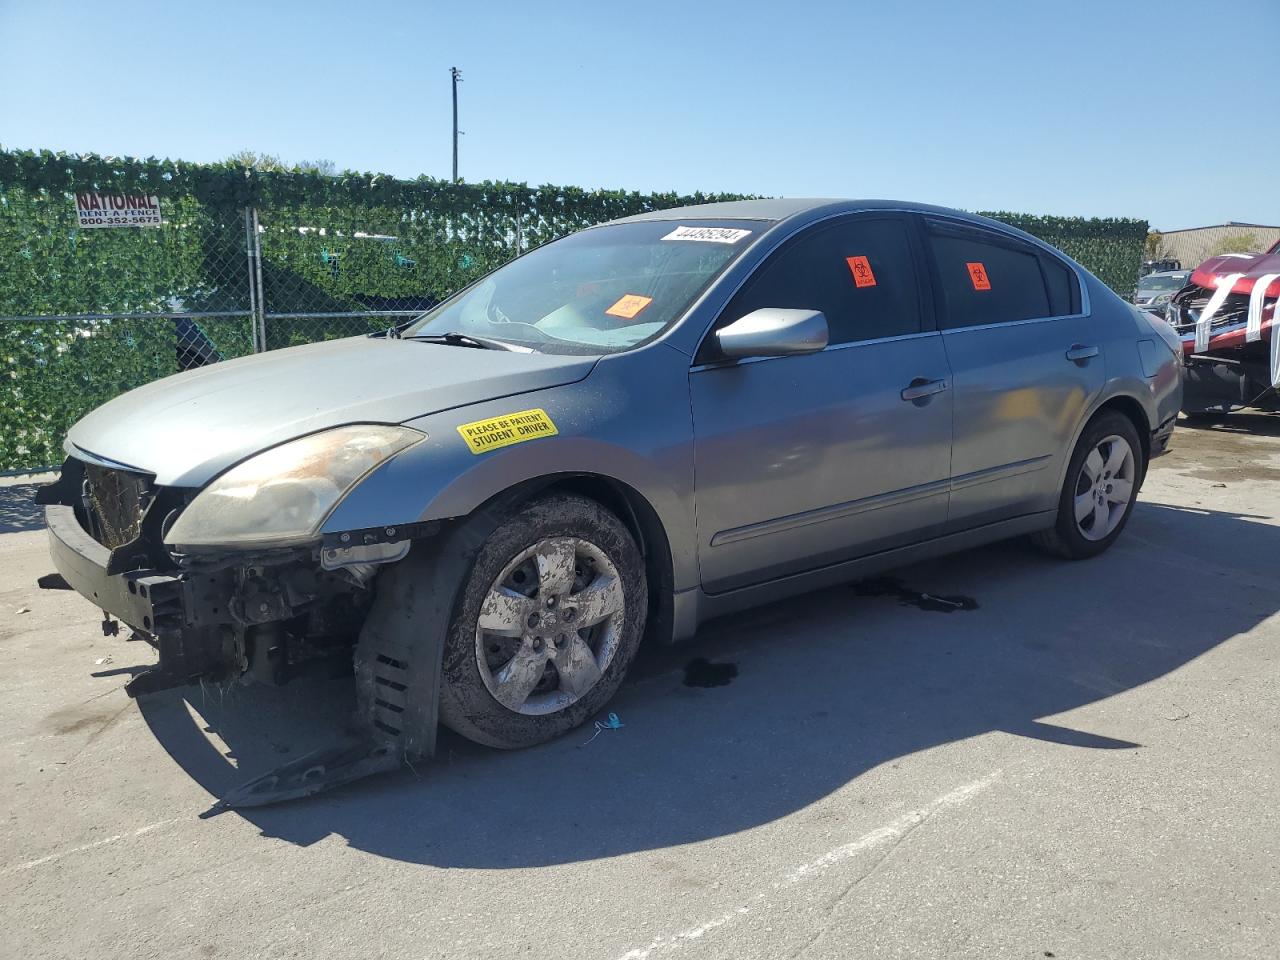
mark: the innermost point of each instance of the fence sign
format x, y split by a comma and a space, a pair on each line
117, 210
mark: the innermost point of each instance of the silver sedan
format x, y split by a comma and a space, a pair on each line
608, 441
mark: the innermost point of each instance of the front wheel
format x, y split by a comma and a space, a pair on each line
549, 618
1101, 486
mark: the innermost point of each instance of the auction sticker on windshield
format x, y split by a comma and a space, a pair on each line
485, 435
629, 306
708, 234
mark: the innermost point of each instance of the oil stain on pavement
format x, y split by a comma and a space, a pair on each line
702, 672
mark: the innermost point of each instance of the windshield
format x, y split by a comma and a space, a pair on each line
1162, 284
602, 290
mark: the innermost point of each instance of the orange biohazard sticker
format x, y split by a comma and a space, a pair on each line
629, 306
978, 274
862, 273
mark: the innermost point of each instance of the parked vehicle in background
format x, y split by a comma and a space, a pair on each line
1226, 319
1163, 265
619, 435
194, 346
1156, 289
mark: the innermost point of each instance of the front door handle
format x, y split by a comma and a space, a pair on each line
921, 389
1079, 353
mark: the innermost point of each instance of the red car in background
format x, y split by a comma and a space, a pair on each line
1227, 319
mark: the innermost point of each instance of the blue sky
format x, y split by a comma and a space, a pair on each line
1163, 110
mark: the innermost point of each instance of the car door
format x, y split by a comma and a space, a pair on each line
802, 461
1026, 364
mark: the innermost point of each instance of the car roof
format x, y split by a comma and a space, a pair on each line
800, 210
784, 208
776, 208
785, 214
1167, 273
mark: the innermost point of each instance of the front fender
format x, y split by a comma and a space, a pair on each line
636, 431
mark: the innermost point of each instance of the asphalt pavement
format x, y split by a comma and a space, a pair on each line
991, 755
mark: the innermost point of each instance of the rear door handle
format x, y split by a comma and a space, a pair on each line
1080, 353
920, 390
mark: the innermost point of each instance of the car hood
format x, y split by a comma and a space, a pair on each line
1251, 265
188, 428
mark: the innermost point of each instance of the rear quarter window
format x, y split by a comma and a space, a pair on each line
1064, 290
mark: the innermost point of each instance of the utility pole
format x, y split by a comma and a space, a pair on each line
456, 74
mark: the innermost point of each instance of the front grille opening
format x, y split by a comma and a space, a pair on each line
1185, 316
115, 501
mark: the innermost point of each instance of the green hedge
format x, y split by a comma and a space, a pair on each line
358, 242
52, 373
1111, 249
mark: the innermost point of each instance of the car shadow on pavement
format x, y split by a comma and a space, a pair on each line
1250, 422
829, 686
18, 510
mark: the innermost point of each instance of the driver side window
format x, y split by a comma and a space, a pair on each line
859, 272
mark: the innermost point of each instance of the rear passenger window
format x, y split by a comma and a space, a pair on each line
986, 278
859, 272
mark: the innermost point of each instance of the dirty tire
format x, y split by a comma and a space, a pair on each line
1064, 539
466, 704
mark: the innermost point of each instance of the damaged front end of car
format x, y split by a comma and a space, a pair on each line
236, 581
1226, 319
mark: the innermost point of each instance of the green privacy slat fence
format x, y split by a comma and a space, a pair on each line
248, 259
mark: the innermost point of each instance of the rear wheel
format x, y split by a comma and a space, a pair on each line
549, 619
1101, 486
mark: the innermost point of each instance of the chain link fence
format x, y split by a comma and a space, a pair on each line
86, 313
329, 273
245, 261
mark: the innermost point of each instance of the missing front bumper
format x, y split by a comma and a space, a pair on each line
163, 608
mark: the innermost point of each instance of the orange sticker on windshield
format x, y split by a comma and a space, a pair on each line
629, 306
862, 273
978, 274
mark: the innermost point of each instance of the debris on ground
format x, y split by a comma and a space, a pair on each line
353, 758
24, 609
907, 597
613, 723
101, 660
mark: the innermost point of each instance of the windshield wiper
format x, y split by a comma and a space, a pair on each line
454, 339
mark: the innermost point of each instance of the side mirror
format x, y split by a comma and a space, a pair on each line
773, 332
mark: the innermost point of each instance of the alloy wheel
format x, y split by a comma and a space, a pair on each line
1104, 487
549, 625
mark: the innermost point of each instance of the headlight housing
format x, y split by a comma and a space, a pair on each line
280, 497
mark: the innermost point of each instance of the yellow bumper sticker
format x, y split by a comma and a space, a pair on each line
485, 435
